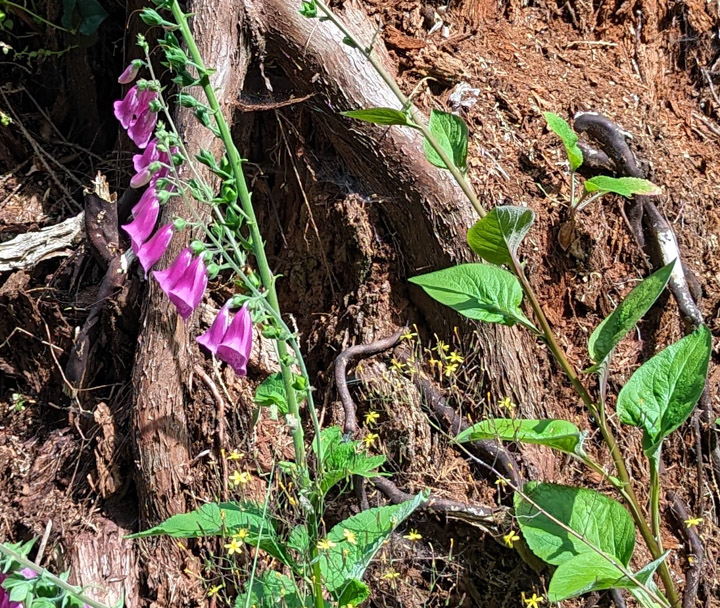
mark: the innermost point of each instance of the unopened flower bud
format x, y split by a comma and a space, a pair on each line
197, 247
179, 223
213, 270
155, 106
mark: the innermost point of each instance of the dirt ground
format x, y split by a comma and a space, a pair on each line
67, 458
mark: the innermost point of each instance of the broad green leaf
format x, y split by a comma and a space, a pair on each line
569, 138
451, 133
343, 458
477, 291
271, 589
613, 328
624, 186
92, 15
558, 434
345, 562
272, 392
600, 521
379, 116
593, 572
662, 393
299, 539
223, 519
497, 236
354, 593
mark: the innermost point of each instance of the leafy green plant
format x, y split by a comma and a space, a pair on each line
590, 537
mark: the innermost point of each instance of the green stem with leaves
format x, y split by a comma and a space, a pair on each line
415, 115
49, 576
625, 484
268, 281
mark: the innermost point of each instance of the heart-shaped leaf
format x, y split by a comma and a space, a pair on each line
497, 236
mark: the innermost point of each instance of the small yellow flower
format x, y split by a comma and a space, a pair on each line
413, 535
325, 544
235, 455
450, 369
346, 552
241, 534
433, 362
390, 575
510, 538
371, 418
691, 559
370, 439
350, 536
234, 546
501, 482
239, 478
213, 590
395, 364
534, 601
693, 521
441, 347
506, 404
455, 357
408, 335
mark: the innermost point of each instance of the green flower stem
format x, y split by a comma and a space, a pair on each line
268, 281
625, 488
655, 498
49, 576
415, 115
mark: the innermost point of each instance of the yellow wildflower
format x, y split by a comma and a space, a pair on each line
241, 534
534, 601
500, 482
235, 455
325, 544
239, 478
213, 590
408, 335
413, 535
395, 364
234, 546
441, 347
370, 439
506, 404
455, 357
510, 538
371, 418
390, 575
350, 536
450, 369
693, 521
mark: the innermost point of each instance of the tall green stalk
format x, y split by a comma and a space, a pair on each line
624, 486
267, 279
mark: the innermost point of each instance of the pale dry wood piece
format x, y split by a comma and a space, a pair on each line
29, 249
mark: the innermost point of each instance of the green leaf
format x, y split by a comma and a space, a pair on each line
379, 116
569, 138
477, 291
662, 393
343, 458
354, 593
451, 133
558, 434
345, 563
92, 15
613, 328
271, 392
270, 590
497, 236
592, 572
624, 186
223, 519
299, 539
601, 522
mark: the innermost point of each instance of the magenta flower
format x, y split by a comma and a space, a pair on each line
188, 291
134, 114
142, 163
147, 196
140, 229
212, 338
28, 573
5, 596
167, 278
131, 72
230, 342
152, 250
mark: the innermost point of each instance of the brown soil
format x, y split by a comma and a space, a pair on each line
66, 459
